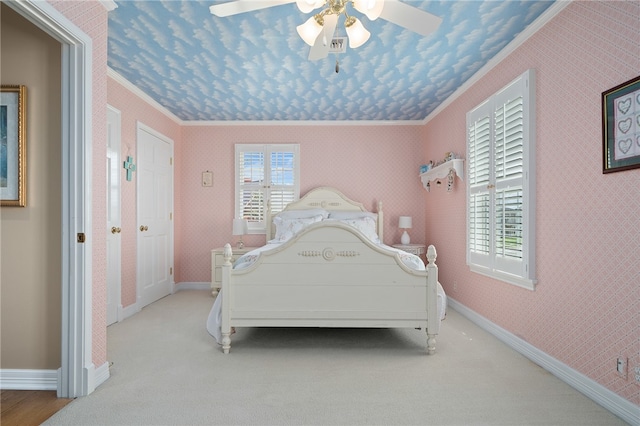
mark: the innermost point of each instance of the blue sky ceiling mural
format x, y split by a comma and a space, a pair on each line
254, 67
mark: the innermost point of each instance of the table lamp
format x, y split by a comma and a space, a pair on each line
405, 223
239, 228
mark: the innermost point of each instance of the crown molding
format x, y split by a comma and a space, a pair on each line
148, 99
196, 123
533, 28
542, 20
109, 4
332, 123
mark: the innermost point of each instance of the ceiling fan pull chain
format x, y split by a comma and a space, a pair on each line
337, 66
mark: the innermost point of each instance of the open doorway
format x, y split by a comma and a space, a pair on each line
77, 375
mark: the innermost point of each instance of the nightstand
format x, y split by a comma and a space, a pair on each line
417, 249
217, 259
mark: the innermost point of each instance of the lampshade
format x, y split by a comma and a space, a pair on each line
239, 227
307, 6
310, 30
358, 34
371, 8
404, 222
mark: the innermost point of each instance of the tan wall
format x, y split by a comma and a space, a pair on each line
30, 273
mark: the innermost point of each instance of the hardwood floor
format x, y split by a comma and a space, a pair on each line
26, 408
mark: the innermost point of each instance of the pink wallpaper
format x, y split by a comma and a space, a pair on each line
585, 310
133, 110
91, 17
367, 163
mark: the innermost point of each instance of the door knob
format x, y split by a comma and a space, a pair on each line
115, 230
144, 228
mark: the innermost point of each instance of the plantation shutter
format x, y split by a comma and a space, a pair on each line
479, 157
508, 117
250, 184
265, 175
282, 182
501, 189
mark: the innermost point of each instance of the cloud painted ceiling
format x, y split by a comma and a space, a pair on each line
254, 66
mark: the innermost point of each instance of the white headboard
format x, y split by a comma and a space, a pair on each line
329, 199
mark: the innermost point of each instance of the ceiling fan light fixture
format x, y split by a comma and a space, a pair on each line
371, 8
310, 30
357, 33
307, 6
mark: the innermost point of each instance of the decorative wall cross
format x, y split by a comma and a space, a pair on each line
129, 167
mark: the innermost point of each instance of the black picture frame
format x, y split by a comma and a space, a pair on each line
621, 127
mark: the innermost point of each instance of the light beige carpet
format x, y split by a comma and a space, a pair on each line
168, 370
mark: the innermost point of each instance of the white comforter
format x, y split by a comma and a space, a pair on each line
215, 315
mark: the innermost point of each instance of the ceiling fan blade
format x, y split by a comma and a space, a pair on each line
320, 48
241, 6
412, 18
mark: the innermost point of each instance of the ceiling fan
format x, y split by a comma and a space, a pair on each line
318, 31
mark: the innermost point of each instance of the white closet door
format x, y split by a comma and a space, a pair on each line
155, 216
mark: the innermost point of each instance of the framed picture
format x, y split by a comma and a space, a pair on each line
13, 150
621, 127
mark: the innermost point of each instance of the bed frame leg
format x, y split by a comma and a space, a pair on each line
431, 344
226, 342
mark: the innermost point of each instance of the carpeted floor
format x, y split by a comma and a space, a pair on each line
168, 370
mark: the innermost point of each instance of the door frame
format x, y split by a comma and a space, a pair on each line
77, 374
117, 268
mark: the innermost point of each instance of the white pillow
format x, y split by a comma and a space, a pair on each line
340, 215
300, 214
287, 228
366, 225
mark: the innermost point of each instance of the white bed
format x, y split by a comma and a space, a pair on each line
326, 267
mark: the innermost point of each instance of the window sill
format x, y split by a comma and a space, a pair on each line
508, 278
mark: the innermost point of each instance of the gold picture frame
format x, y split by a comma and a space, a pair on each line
13, 145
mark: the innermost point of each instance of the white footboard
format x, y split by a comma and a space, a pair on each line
330, 276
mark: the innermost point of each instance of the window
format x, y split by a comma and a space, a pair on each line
265, 175
501, 184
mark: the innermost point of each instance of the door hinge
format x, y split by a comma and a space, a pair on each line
171, 161
81, 237
170, 271
170, 216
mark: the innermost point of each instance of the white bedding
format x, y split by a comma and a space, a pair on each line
215, 316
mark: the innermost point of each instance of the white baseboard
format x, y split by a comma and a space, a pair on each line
11, 379
18, 379
134, 308
613, 402
129, 311
192, 286
101, 374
